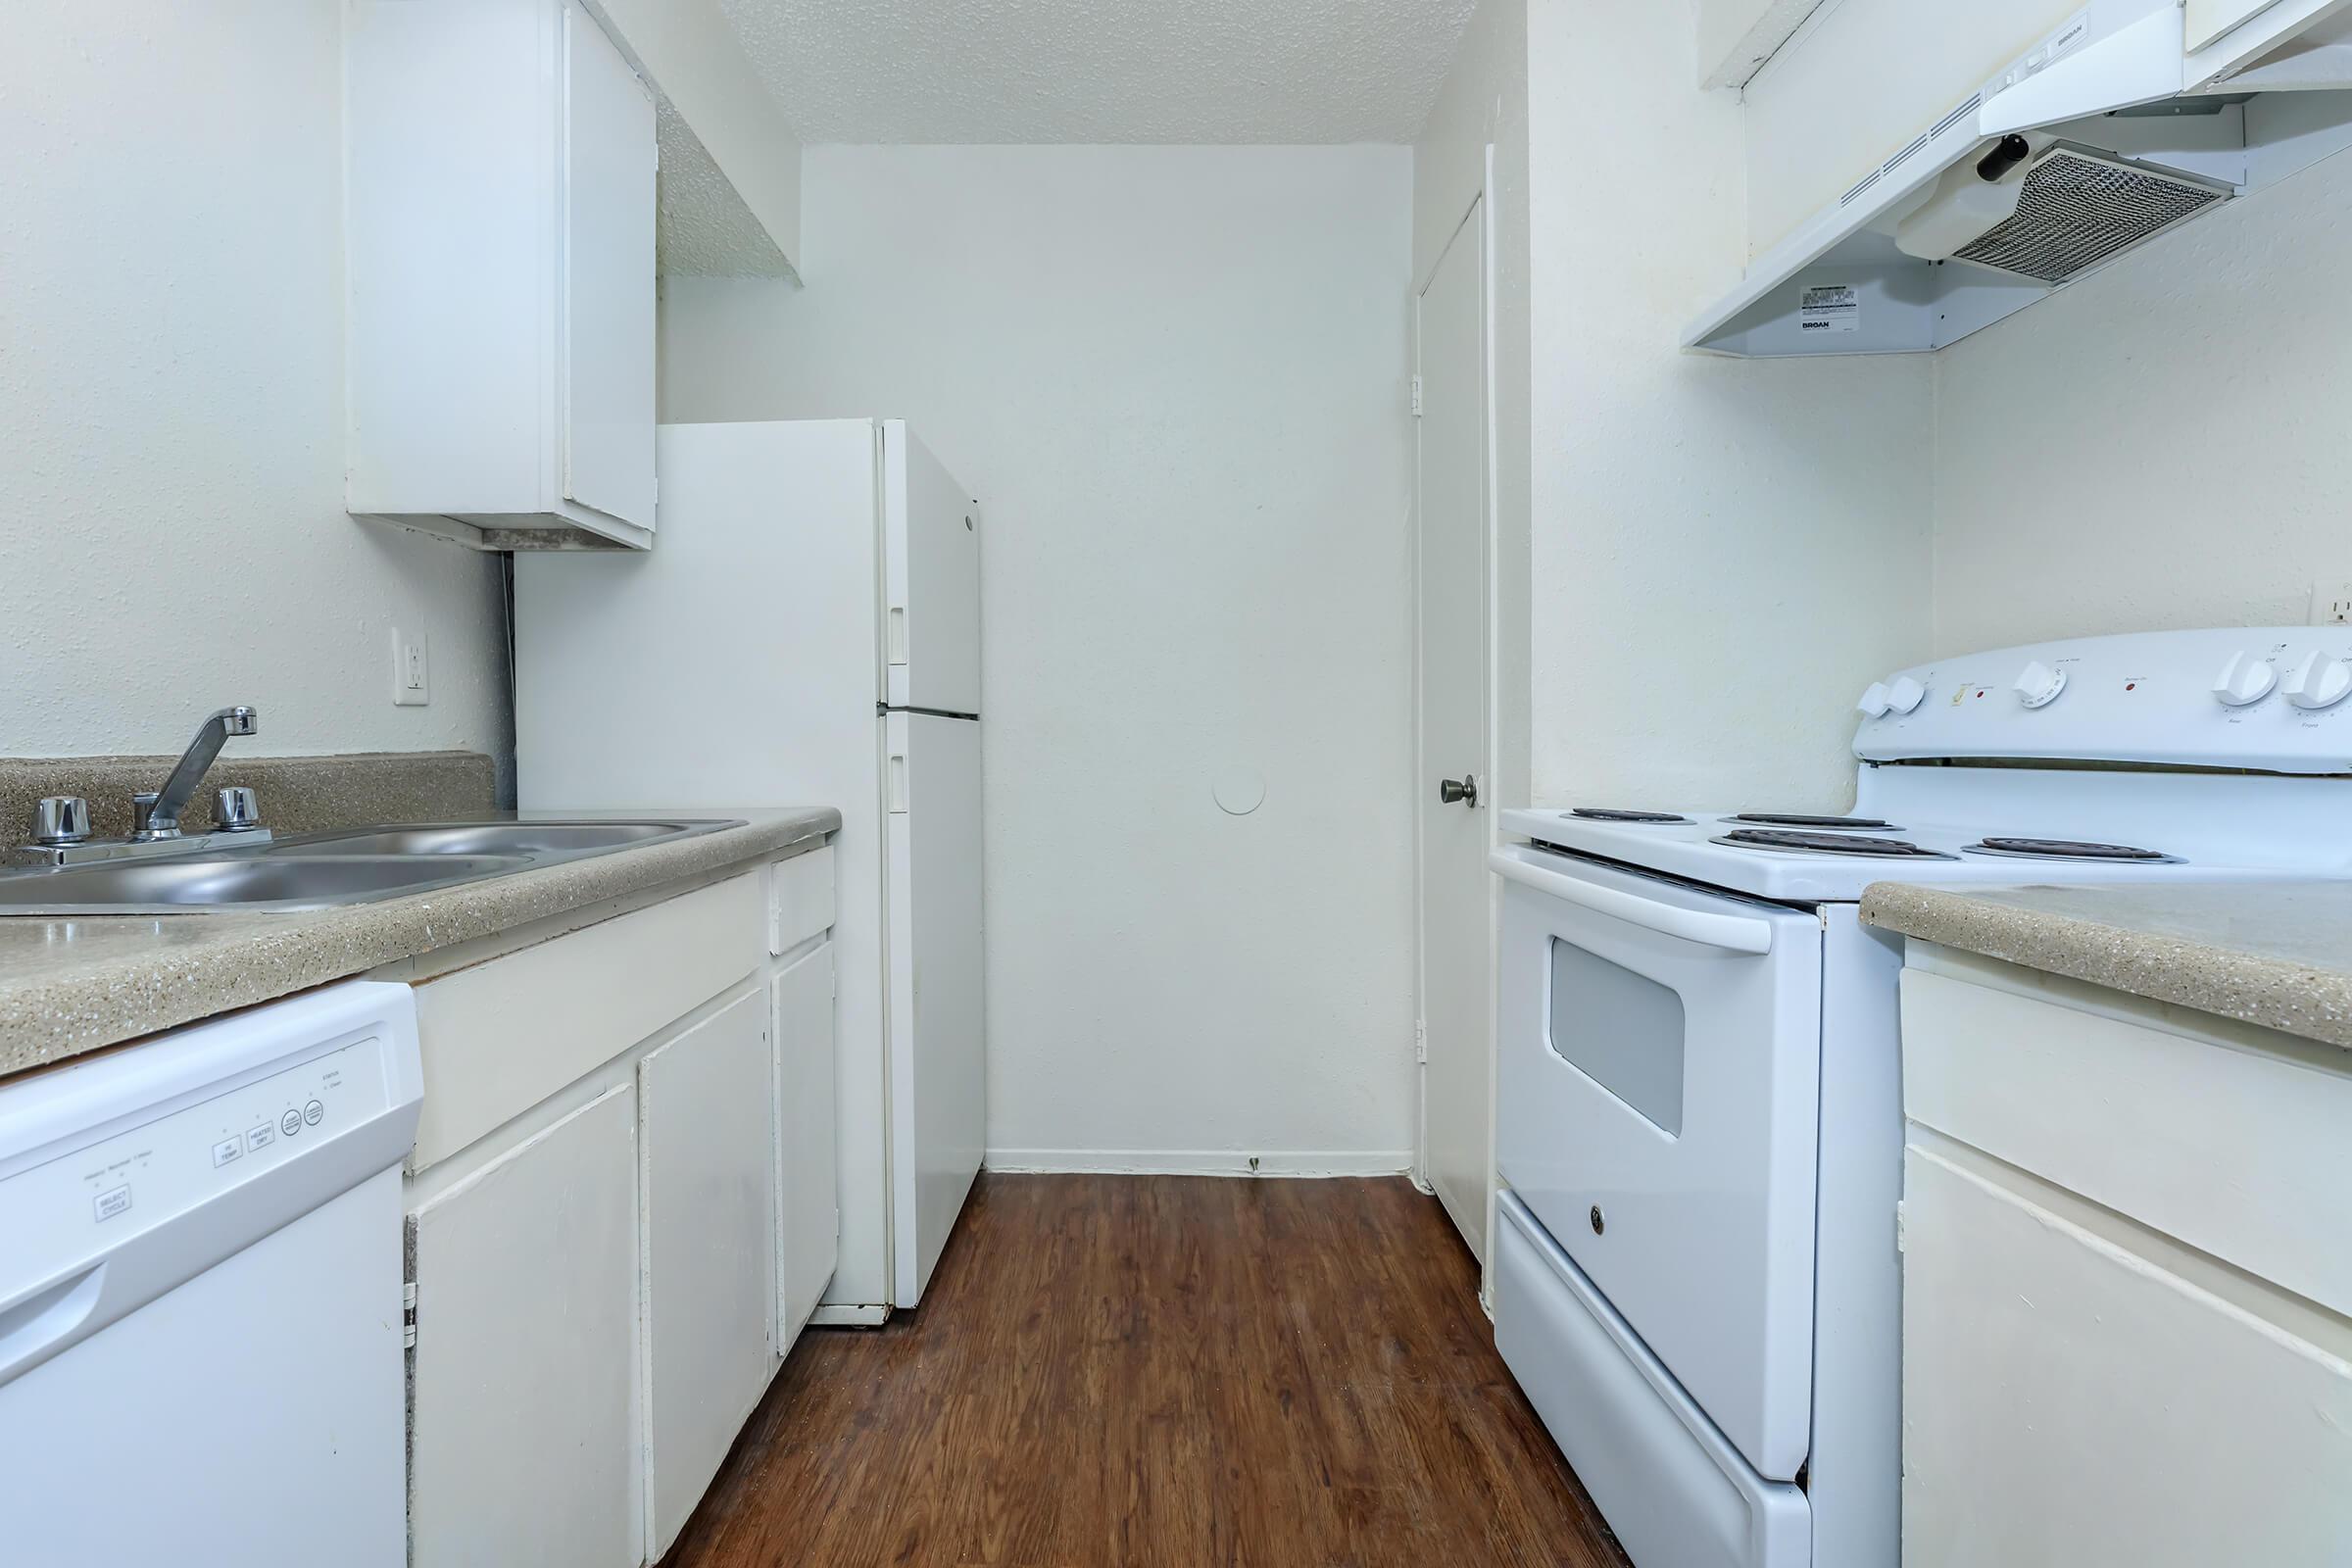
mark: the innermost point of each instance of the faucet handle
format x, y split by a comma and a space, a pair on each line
142, 812
236, 810
61, 819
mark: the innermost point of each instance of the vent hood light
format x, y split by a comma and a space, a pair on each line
2051, 170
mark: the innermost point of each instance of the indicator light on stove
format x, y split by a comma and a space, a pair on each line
2038, 685
2318, 682
1903, 694
2244, 681
1875, 702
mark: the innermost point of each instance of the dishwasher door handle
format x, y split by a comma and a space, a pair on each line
43, 1320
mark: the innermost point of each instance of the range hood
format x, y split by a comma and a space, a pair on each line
2109, 133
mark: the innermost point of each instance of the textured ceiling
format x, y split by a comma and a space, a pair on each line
1102, 71
703, 228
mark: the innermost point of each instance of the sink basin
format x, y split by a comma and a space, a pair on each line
490, 838
173, 884
321, 870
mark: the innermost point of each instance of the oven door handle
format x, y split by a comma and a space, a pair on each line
1732, 933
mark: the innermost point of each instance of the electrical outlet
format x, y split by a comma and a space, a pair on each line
2332, 603
412, 669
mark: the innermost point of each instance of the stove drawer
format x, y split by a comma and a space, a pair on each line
1677, 1494
1659, 1053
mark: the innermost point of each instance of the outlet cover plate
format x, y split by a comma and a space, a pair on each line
412, 669
2332, 603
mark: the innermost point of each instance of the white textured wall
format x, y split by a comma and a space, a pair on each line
1175, 377
1483, 102
172, 530
2162, 444
1724, 552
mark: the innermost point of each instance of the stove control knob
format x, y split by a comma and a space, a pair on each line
1875, 702
1903, 694
2318, 682
2244, 681
2038, 685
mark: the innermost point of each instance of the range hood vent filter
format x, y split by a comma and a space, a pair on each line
2078, 211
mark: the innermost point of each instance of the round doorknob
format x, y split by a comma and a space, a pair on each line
1461, 791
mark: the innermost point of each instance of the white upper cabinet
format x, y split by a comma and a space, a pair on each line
500, 259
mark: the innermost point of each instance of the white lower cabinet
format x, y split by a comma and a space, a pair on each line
2124, 1280
523, 1385
809, 1222
620, 1213
2070, 1402
707, 1157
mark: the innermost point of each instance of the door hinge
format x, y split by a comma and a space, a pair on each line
1420, 1041
407, 1314
1898, 1225
1416, 397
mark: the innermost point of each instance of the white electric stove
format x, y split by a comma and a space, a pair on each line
1698, 1095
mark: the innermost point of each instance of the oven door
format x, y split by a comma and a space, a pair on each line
1657, 1098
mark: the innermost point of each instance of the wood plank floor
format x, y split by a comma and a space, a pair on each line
1146, 1370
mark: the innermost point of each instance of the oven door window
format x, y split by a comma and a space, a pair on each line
1622, 1030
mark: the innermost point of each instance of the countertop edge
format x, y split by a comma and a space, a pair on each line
2229, 982
78, 1006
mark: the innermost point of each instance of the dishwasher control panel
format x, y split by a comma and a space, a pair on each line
131, 1180
125, 1174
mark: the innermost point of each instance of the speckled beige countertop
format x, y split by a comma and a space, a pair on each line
2275, 954
69, 986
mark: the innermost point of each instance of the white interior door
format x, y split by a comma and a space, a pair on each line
609, 305
1452, 741
938, 1045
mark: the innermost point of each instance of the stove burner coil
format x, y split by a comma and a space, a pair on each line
2069, 850
1793, 820
1610, 813
1750, 838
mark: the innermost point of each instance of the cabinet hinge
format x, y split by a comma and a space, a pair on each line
1420, 1040
1416, 397
407, 1314
1898, 1225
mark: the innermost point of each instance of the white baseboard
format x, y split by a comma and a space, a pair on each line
1201, 1162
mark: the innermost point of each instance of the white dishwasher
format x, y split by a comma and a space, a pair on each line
201, 1351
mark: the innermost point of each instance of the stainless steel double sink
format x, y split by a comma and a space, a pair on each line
322, 871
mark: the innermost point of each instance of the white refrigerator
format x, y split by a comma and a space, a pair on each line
806, 631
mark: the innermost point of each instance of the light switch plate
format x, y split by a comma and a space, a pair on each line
412, 669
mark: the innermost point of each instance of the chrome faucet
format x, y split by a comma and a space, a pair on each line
60, 825
157, 815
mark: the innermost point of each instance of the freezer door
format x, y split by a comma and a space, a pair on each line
938, 1057
931, 609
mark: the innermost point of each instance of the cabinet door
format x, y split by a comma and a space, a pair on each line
708, 1174
609, 300
2069, 1400
808, 1225
523, 1440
